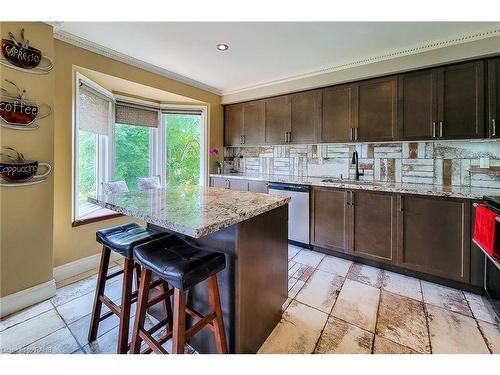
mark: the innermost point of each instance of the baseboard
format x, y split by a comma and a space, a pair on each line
27, 297
79, 266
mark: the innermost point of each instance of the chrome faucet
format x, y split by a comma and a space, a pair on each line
356, 163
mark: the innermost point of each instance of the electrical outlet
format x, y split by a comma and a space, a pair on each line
484, 162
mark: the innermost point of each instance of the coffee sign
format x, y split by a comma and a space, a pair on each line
17, 112
20, 54
14, 168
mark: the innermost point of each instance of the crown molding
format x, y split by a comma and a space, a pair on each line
115, 55
360, 61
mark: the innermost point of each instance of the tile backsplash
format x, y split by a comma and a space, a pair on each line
427, 162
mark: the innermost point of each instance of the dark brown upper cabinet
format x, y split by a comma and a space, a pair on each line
375, 109
337, 117
373, 225
461, 101
305, 116
417, 108
233, 124
493, 97
253, 123
434, 236
277, 120
330, 219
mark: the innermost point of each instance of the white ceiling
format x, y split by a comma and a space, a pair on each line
261, 53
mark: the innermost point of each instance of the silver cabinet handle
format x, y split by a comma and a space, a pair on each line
352, 134
355, 134
243, 137
440, 129
286, 137
289, 137
401, 204
433, 129
227, 184
493, 128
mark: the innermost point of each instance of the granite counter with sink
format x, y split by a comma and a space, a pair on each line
392, 187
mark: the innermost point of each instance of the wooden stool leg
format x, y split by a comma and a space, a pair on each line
101, 283
137, 275
214, 299
142, 307
168, 306
126, 302
179, 327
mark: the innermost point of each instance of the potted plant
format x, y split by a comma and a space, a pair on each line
218, 164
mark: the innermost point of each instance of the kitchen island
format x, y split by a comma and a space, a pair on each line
250, 228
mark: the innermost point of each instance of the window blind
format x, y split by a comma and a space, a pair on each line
93, 111
132, 114
182, 111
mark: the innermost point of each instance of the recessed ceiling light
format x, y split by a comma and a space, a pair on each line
222, 47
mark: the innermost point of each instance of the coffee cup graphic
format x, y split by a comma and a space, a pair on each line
23, 172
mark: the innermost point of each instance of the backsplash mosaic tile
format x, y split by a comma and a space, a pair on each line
449, 163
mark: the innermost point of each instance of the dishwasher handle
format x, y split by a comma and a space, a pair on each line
288, 187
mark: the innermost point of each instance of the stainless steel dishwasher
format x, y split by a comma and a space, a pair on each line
298, 211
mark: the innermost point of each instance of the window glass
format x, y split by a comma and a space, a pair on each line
87, 170
132, 153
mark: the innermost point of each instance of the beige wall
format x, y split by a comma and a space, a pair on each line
27, 212
74, 243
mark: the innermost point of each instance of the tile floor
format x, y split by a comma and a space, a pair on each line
334, 306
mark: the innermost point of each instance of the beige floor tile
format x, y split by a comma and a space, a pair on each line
73, 279
403, 285
492, 334
321, 290
29, 331
297, 332
366, 274
296, 288
293, 250
447, 298
294, 269
291, 263
335, 265
308, 258
402, 320
286, 304
340, 337
481, 307
291, 282
304, 272
80, 328
59, 342
385, 346
25, 314
357, 304
74, 290
454, 333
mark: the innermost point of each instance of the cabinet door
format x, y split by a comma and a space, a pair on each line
257, 186
219, 182
493, 98
376, 110
238, 184
417, 105
337, 117
277, 120
329, 219
305, 116
253, 120
373, 225
233, 124
461, 101
434, 236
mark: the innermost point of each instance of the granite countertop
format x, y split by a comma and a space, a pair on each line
404, 188
191, 210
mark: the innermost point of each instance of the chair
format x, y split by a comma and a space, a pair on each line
148, 183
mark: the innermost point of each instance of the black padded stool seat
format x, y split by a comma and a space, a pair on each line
179, 262
123, 238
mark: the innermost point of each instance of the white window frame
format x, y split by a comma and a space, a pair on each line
203, 143
102, 149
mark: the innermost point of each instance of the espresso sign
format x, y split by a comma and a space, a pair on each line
21, 55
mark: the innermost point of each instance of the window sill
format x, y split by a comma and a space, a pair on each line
98, 215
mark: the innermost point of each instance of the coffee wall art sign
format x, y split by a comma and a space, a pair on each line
18, 54
16, 112
15, 170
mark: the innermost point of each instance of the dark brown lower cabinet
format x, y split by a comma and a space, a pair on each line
329, 218
434, 236
373, 225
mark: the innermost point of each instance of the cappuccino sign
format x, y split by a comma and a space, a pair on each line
20, 55
18, 113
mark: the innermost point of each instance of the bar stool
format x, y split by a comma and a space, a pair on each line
122, 239
182, 265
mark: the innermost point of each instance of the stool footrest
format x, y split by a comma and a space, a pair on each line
111, 305
114, 274
152, 342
